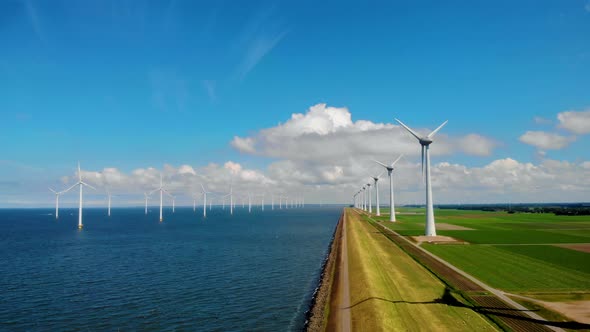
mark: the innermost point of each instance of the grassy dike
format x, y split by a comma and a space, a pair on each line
390, 291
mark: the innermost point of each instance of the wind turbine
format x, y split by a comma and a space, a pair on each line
425, 142
57, 193
109, 202
249, 202
161, 190
369, 194
173, 201
146, 195
389, 169
262, 202
376, 186
81, 184
205, 201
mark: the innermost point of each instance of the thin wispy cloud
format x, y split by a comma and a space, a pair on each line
260, 36
169, 91
210, 86
32, 13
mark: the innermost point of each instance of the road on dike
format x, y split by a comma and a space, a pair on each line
378, 287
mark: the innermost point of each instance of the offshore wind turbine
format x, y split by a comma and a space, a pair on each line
173, 201
425, 142
205, 192
109, 203
57, 193
81, 184
146, 195
161, 190
390, 169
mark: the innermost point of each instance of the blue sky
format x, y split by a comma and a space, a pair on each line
145, 83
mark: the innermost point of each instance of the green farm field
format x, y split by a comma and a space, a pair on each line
518, 253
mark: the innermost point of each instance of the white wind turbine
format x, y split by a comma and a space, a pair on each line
389, 169
364, 199
376, 186
162, 191
173, 201
425, 142
109, 195
369, 194
262, 202
146, 195
57, 193
204, 192
81, 184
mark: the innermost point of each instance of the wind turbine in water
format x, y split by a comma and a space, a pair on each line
162, 191
205, 192
389, 169
146, 195
57, 193
81, 184
109, 202
425, 142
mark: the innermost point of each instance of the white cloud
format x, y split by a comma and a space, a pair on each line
328, 134
574, 121
546, 141
243, 144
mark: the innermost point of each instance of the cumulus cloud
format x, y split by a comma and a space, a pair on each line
243, 144
575, 122
545, 140
326, 133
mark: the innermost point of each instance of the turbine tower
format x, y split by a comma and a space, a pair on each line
173, 201
369, 194
57, 193
376, 186
109, 202
425, 142
390, 169
81, 184
146, 195
205, 201
162, 191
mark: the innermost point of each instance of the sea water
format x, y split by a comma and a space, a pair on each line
246, 272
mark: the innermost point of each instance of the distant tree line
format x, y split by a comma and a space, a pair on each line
559, 209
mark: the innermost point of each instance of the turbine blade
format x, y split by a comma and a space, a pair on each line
203, 188
53, 191
431, 135
380, 163
398, 158
408, 129
379, 176
79, 172
70, 188
153, 191
86, 184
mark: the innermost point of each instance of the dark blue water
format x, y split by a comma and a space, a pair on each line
243, 272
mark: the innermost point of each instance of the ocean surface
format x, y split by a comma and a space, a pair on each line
246, 272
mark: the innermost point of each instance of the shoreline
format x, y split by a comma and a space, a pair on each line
315, 316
